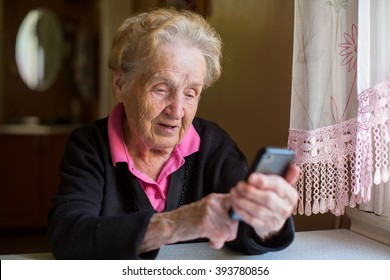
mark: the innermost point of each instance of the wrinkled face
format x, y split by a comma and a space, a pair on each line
161, 100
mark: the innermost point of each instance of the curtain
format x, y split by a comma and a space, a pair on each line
374, 97
339, 123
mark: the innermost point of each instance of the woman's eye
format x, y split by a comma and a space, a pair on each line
191, 94
161, 89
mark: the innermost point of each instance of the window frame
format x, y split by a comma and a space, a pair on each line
370, 225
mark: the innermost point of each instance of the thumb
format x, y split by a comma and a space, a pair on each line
292, 174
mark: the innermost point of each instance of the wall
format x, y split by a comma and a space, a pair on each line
1, 64
252, 99
112, 13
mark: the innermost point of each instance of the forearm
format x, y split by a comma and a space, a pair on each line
171, 227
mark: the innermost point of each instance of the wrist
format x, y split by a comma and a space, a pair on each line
158, 233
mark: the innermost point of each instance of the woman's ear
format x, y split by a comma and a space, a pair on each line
117, 85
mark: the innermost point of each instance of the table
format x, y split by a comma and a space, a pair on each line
340, 244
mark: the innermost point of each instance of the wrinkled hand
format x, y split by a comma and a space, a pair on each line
206, 218
266, 201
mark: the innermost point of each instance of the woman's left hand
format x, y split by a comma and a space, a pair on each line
265, 202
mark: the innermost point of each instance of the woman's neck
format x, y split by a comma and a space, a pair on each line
148, 160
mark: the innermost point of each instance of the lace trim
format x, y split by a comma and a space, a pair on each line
340, 163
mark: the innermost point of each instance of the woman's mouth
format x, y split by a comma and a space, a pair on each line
168, 128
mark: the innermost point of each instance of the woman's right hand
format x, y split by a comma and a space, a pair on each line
206, 218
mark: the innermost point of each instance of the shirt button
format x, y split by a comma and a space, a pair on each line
157, 196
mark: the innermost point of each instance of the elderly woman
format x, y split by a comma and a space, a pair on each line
152, 173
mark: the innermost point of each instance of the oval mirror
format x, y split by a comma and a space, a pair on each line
39, 49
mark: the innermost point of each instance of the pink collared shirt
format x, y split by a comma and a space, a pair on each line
155, 190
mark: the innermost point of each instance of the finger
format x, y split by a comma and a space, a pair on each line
292, 174
262, 181
218, 235
216, 244
254, 201
226, 201
258, 182
263, 215
217, 225
265, 221
277, 184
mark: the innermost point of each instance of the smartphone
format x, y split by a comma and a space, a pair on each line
269, 160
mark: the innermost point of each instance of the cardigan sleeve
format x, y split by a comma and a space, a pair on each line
249, 243
76, 228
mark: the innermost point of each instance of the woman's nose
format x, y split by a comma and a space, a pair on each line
175, 108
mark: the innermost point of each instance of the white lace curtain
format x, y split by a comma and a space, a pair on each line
340, 115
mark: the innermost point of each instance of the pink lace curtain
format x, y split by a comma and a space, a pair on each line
339, 125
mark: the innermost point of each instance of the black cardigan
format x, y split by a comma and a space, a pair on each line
101, 211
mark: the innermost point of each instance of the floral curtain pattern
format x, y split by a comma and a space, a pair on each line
339, 129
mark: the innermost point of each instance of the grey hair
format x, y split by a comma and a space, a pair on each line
140, 35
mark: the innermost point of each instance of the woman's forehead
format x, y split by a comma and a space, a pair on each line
170, 62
